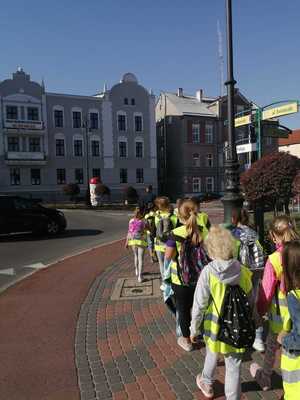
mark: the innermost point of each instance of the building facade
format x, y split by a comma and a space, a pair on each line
291, 144
191, 142
49, 139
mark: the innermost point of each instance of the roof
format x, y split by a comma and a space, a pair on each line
190, 105
294, 138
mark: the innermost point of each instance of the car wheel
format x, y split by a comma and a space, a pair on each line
52, 227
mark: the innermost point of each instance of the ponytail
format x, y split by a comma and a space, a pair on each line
188, 215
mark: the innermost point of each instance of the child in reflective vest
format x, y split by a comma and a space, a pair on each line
137, 240
272, 298
290, 355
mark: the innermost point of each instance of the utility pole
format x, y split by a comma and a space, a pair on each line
232, 198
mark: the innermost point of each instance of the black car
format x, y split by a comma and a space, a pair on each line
18, 214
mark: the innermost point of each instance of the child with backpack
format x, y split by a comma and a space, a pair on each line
272, 298
165, 221
187, 256
222, 310
137, 240
150, 227
290, 355
251, 255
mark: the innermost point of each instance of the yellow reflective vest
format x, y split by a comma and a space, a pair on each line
290, 370
138, 242
158, 244
202, 220
181, 232
211, 317
279, 319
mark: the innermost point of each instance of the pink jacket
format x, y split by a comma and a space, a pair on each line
268, 286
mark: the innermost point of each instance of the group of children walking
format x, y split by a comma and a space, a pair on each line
224, 291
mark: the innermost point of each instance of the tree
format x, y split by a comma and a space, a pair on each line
71, 190
270, 180
130, 195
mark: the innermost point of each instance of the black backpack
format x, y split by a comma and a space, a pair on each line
237, 327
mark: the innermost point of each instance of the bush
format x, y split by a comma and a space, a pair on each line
71, 190
130, 195
102, 190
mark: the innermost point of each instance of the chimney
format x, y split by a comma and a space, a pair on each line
180, 92
199, 95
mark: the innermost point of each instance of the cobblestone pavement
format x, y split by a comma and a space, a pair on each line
126, 349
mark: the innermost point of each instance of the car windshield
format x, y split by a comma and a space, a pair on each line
25, 203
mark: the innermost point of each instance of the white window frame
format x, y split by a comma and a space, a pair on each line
208, 159
122, 139
196, 184
194, 125
139, 183
209, 133
210, 179
94, 138
139, 140
78, 137
60, 136
138, 114
59, 108
196, 156
121, 112
94, 111
76, 109
18, 112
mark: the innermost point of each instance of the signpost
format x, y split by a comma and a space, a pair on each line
286, 109
246, 148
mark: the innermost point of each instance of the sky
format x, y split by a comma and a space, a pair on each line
76, 46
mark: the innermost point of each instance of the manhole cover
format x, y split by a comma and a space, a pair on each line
130, 288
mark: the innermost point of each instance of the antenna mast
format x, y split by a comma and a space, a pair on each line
221, 58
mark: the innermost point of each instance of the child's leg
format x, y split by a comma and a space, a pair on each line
141, 251
209, 368
135, 254
161, 257
233, 364
271, 346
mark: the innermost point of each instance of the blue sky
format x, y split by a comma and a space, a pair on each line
78, 45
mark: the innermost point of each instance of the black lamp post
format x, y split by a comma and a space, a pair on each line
85, 126
232, 198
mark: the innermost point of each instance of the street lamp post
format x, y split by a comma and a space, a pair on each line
232, 198
86, 134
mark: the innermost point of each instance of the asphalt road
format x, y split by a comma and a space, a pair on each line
22, 254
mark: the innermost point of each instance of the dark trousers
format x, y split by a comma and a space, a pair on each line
184, 297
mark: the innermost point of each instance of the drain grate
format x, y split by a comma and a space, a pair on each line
130, 288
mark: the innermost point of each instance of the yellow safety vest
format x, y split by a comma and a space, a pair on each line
202, 219
151, 214
181, 232
290, 370
278, 321
159, 245
139, 242
211, 317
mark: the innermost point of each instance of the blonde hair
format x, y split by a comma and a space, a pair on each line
282, 229
188, 215
162, 203
219, 243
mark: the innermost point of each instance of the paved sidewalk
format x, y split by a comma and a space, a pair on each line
126, 349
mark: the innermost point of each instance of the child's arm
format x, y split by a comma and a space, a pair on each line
201, 299
267, 289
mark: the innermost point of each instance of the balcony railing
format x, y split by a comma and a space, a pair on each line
19, 124
25, 155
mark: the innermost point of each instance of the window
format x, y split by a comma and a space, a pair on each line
209, 184
35, 176
60, 147
13, 143
133, 102
196, 133
139, 149
122, 122
58, 118
138, 123
79, 176
22, 113
126, 101
139, 175
34, 144
15, 176
61, 176
269, 141
123, 149
123, 175
209, 160
32, 114
196, 160
196, 185
94, 120
95, 145
76, 119
11, 112
78, 148
209, 132
96, 173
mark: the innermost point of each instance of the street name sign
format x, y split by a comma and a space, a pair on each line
290, 108
246, 148
240, 121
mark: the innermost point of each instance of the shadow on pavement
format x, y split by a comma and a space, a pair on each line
69, 233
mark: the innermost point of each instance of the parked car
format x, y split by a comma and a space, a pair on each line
18, 214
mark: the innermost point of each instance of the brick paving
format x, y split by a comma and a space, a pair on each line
126, 349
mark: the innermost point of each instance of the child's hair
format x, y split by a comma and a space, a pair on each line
240, 216
219, 243
179, 201
188, 215
139, 213
282, 228
291, 265
162, 203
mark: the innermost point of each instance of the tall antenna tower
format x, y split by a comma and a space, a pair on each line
221, 58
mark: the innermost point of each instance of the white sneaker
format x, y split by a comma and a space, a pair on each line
162, 287
136, 272
140, 279
181, 341
259, 345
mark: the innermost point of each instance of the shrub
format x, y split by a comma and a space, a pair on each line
130, 195
102, 190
